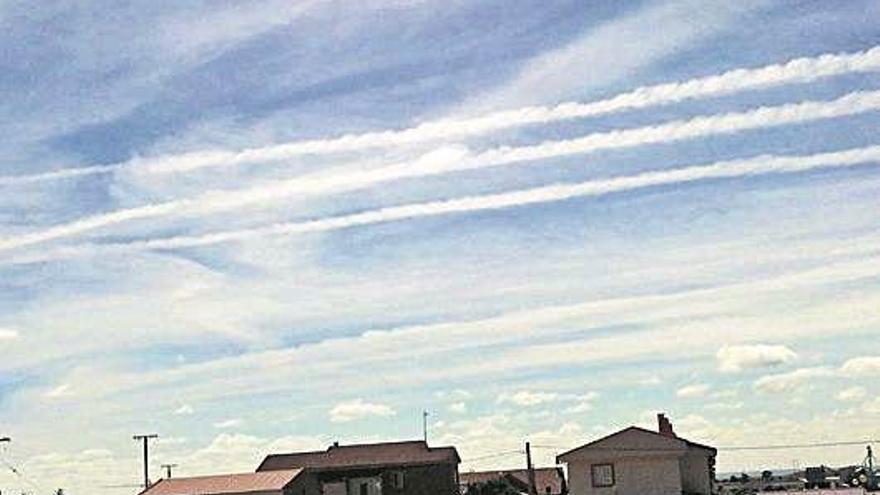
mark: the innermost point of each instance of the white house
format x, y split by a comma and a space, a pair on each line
636, 461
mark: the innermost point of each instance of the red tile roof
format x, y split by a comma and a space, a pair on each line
225, 484
364, 455
544, 477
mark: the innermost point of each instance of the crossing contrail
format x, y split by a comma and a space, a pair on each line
453, 161
754, 166
797, 71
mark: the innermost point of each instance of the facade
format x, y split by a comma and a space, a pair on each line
548, 481
636, 461
284, 482
398, 468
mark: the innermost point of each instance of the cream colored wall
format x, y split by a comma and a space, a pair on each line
633, 476
695, 477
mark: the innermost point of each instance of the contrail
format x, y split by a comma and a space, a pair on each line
797, 71
453, 161
754, 166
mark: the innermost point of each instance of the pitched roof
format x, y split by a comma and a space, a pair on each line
658, 443
225, 484
544, 477
364, 455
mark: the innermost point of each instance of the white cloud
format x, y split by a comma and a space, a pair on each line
63, 390
229, 423
569, 70
852, 394
458, 407
792, 381
861, 366
732, 359
8, 334
526, 398
185, 409
583, 403
872, 407
455, 394
358, 409
766, 164
693, 391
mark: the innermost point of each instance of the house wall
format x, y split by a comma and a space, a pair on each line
695, 473
632, 476
304, 484
437, 479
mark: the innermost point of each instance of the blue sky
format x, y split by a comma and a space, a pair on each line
268, 227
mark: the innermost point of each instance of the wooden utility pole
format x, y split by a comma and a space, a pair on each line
146, 439
425, 425
533, 486
167, 468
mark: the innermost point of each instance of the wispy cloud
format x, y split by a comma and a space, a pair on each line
800, 70
792, 381
61, 391
693, 391
358, 409
761, 165
184, 410
453, 160
228, 423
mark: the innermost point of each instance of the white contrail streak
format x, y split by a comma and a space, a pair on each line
801, 70
763, 117
760, 165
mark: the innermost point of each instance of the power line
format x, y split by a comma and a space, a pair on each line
494, 456
17, 472
734, 448
799, 446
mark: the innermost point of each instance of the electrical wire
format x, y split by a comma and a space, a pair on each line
494, 456
734, 448
17, 472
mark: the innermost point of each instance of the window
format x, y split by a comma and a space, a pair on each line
397, 479
603, 475
365, 489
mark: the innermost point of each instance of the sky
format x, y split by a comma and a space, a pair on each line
267, 226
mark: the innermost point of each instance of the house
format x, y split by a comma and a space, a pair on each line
548, 481
396, 468
636, 461
284, 482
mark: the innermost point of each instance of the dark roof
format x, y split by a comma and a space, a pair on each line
687, 443
552, 477
363, 455
225, 484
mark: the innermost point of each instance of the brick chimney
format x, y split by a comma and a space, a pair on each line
664, 426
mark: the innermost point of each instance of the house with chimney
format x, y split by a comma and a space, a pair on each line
636, 461
395, 468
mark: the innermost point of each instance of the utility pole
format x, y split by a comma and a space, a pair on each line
146, 439
167, 468
533, 488
425, 425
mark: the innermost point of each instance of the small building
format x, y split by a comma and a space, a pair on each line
636, 461
396, 468
285, 482
548, 481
